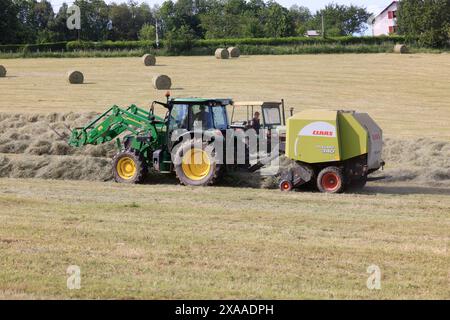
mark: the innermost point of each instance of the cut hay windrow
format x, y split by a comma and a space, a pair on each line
161, 82
222, 53
30, 148
75, 77
149, 60
37, 134
55, 167
234, 52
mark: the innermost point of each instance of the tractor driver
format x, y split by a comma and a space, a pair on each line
201, 118
256, 122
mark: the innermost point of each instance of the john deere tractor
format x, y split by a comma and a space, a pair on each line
166, 145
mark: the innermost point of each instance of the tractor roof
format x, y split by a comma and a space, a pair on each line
202, 100
256, 103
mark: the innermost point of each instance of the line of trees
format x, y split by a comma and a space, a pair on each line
32, 21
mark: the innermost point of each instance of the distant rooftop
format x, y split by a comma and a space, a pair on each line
312, 33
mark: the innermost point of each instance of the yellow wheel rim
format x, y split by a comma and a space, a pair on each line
126, 168
196, 164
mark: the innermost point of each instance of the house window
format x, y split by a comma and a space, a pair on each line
394, 14
393, 29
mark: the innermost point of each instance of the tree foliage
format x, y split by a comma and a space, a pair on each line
425, 20
341, 20
8, 21
182, 21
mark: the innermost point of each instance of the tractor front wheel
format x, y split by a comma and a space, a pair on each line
128, 167
330, 180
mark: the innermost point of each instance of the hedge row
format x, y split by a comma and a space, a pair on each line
109, 45
206, 43
43, 47
299, 41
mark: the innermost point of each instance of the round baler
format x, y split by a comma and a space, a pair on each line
335, 150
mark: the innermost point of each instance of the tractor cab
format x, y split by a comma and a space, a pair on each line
198, 113
272, 114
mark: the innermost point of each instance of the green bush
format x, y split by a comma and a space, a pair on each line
110, 45
55, 46
298, 41
184, 44
178, 44
147, 32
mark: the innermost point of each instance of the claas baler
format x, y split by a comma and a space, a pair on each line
334, 150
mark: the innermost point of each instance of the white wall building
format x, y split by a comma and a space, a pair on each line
386, 22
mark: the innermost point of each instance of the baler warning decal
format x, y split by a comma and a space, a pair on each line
315, 129
318, 129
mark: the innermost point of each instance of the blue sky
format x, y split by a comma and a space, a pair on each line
374, 6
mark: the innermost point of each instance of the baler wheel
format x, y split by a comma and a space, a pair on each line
129, 167
286, 185
330, 180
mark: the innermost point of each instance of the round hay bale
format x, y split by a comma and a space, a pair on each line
400, 48
2, 71
234, 52
75, 77
161, 82
222, 53
149, 60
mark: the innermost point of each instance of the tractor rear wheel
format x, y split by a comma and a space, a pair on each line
129, 167
330, 180
196, 164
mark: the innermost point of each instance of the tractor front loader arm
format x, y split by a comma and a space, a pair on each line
114, 122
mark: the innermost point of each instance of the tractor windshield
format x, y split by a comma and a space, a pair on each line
198, 116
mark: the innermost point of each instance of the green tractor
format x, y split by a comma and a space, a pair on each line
166, 145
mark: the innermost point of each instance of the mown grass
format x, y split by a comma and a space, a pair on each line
168, 241
408, 95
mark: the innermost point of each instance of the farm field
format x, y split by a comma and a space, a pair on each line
409, 95
161, 240
168, 241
